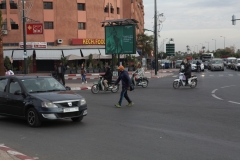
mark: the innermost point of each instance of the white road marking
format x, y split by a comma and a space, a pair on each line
228, 86
214, 91
234, 102
174, 76
230, 74
216, 97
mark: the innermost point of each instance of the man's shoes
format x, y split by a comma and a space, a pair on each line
130, 104
118, 105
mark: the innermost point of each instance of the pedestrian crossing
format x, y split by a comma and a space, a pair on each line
214, 75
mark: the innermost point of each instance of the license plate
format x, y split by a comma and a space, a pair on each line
74, 109
85, 113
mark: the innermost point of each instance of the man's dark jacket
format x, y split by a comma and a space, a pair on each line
126, 82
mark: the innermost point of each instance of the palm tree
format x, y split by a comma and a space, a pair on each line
2, 71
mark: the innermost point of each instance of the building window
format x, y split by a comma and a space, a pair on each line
48, 25
106, 9
3, 5
112, 9
81, 25
50, 43
81, 6
4, 25
10, 44
13, 5
118, 10
47, 5
13, 24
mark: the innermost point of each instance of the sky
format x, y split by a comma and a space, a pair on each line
195, 23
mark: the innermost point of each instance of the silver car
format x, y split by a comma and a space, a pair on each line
216, 64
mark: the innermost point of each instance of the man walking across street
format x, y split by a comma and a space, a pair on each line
123, 75
60, 72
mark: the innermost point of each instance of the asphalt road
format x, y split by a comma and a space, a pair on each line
164, 123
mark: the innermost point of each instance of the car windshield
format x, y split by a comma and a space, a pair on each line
42, 84
195, 62
239, 61
217, 61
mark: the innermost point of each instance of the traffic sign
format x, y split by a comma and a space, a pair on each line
170, 49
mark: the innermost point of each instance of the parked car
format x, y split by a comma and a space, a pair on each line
39, 98
194, 65
237, 65
216, 64
178, 63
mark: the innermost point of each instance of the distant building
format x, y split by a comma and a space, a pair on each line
61, 27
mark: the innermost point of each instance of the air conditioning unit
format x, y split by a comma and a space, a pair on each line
4, 32
59, 41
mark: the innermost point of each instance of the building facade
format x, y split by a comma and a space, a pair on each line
61, 26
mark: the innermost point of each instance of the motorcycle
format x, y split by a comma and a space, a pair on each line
181, 81
143, 81
99, 86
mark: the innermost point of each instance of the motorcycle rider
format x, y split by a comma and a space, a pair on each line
139, 72
198, 65
107, 77
187, 71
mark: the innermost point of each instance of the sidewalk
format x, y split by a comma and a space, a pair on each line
7, 153
77, 85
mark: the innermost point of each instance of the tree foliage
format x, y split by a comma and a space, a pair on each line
7, 63
145, 43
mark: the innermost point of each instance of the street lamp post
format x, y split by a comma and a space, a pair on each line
224, 41
215, 43
155, 37
208, 45
24, 39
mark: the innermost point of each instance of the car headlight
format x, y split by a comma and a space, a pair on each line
49, 105
83, 101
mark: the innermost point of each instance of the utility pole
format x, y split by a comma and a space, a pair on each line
155, 37
24, 39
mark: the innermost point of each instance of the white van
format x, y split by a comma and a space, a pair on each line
230, 62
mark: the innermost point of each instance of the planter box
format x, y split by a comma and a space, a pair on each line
90, 70
96, 70
67, 72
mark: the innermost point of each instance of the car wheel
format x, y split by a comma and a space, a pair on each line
32, 118
77, 119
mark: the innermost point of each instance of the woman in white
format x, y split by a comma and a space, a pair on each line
139, 72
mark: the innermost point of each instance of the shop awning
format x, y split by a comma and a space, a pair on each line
48, 54
7, 53
87, 52
18, 54
71, 52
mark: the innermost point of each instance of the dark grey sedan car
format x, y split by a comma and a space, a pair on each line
39, 98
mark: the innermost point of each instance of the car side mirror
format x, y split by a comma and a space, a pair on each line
18, 92
68, 88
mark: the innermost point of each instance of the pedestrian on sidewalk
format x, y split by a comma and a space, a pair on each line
60, 72
83, 74
126, 82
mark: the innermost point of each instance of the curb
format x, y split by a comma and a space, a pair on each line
12, 154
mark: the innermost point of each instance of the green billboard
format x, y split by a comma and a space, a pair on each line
120, 39
170, 49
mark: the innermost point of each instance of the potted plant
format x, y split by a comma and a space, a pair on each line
101, 67
95, 68
90, 68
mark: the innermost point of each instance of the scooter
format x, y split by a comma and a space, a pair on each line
181, 81
142, 81
99, 86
